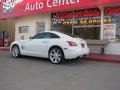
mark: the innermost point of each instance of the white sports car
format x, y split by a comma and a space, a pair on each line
50, 44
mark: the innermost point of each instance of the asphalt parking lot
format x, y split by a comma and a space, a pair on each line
29, 73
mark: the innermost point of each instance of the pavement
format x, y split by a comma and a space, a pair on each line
29, 73
90, 57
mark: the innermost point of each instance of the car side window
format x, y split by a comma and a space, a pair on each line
44, 35
52, 35
38, 36
41, 35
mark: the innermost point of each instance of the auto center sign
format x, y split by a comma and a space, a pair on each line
55, 3
8, 5
14, 8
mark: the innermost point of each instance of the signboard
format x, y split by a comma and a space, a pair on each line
81, 17
112, 10
91, 16
14, 8
109, 32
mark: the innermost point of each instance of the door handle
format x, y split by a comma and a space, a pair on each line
45, 42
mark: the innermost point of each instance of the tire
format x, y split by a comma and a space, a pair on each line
56, 55
77, 58
15, 51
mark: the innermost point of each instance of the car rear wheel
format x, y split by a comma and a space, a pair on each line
56, 55
15, 51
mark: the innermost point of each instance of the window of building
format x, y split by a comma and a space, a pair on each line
23, 29
118, 32
40, 26
87, 32
113, 13
86, 26
117, 22
85, 23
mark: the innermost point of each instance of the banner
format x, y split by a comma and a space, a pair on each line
91, 16
14, 8
109, 32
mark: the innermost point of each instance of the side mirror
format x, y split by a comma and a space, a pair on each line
30, 37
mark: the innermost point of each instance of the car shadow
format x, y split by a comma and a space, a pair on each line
65, 62
74, 62
31, 58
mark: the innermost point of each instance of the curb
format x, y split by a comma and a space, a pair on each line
103, 58
4, 49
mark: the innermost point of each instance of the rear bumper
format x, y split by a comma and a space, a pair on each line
75, 52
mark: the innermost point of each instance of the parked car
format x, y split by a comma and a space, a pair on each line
50, 44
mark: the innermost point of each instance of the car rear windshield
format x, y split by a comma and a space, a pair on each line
75, 36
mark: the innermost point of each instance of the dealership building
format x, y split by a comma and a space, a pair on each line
96, 21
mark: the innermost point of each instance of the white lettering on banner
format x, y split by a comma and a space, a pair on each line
49, 3
56, 3
35, 6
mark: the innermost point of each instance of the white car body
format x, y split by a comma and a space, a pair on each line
41, 47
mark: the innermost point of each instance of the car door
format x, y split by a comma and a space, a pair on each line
42, 47
44, 42
49, 40
36, 45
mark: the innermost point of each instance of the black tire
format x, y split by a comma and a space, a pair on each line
56, 55
15, 51
76, 59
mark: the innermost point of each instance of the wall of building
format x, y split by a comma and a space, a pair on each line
31, 22
8, 25
113, 48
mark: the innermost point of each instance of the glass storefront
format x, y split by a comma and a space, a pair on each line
87, 32
113, 13
86, 23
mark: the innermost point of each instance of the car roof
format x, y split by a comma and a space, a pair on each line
57, 33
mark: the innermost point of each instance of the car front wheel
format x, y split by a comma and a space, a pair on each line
56, 55
15, 51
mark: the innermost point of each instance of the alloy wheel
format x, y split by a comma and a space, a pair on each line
15, 51
56, 55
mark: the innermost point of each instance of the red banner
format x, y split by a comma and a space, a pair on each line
14, 8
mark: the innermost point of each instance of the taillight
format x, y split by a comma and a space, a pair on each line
71, 43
